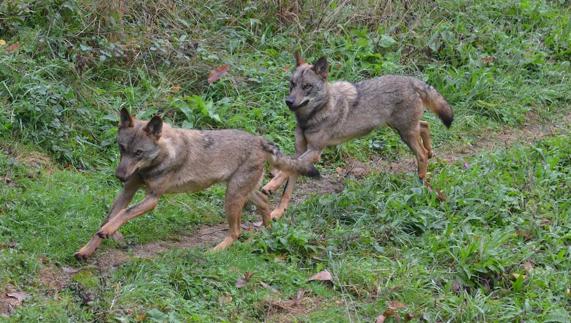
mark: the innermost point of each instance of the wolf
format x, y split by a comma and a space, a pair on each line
330, 113
163, 159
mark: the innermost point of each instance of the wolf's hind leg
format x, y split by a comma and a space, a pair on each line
240, 187
425, 135
262, 204
414, 141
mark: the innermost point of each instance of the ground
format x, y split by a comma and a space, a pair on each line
385, 248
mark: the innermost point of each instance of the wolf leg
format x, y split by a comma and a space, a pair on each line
261, 202
130, 188
240, 188
286, 197
149, 202
425, 135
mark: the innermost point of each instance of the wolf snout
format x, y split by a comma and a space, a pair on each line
289, 101
122, 176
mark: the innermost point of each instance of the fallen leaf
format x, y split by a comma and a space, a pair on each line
2, 42
528, 266
488, 59
322, 276
395, 305
175, 88
247, 226
70, 270
457, 287
217, 73
12, 48
391, 311
299, 296
517, 276
225, 299
241, 282
20, 296
272, 289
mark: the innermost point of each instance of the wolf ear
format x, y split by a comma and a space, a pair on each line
154, 127
320, 67
298, 59
126, 119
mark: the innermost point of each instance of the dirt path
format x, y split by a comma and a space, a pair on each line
54, 279
532, 131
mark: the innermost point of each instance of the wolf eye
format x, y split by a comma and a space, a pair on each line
138, 153
307, 87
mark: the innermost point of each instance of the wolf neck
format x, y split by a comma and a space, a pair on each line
306, 115
339, 95
169, 157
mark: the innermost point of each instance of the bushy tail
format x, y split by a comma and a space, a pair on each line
288, 164
435, 102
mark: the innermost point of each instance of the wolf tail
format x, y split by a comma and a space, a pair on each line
288, 164
435, 102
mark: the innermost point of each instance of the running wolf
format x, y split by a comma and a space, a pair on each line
330, 113
162, 159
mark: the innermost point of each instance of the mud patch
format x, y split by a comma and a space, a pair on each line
290, 310
328, 183
106, 260
53, 279
204, 236
10, 299
31, 159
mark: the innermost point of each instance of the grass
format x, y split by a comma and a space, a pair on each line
496, 250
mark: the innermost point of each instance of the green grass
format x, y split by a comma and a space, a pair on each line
383, 239
496, 250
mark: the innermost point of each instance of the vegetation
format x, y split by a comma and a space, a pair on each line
497, 249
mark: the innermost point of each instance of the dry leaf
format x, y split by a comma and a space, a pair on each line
2, 42
299, 296
12, 48
272, 289
225, 299
217, 73
391, 311
20, 296
456, 287
322, 276
70, 270
516, 276
488, 59
528, 266
175, 88
241, 282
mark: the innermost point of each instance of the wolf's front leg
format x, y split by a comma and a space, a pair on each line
149, 202
275, 183
286, 197
311, 156
122, 201
281, 177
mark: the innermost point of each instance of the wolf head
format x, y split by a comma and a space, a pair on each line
308, 85
138, 144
